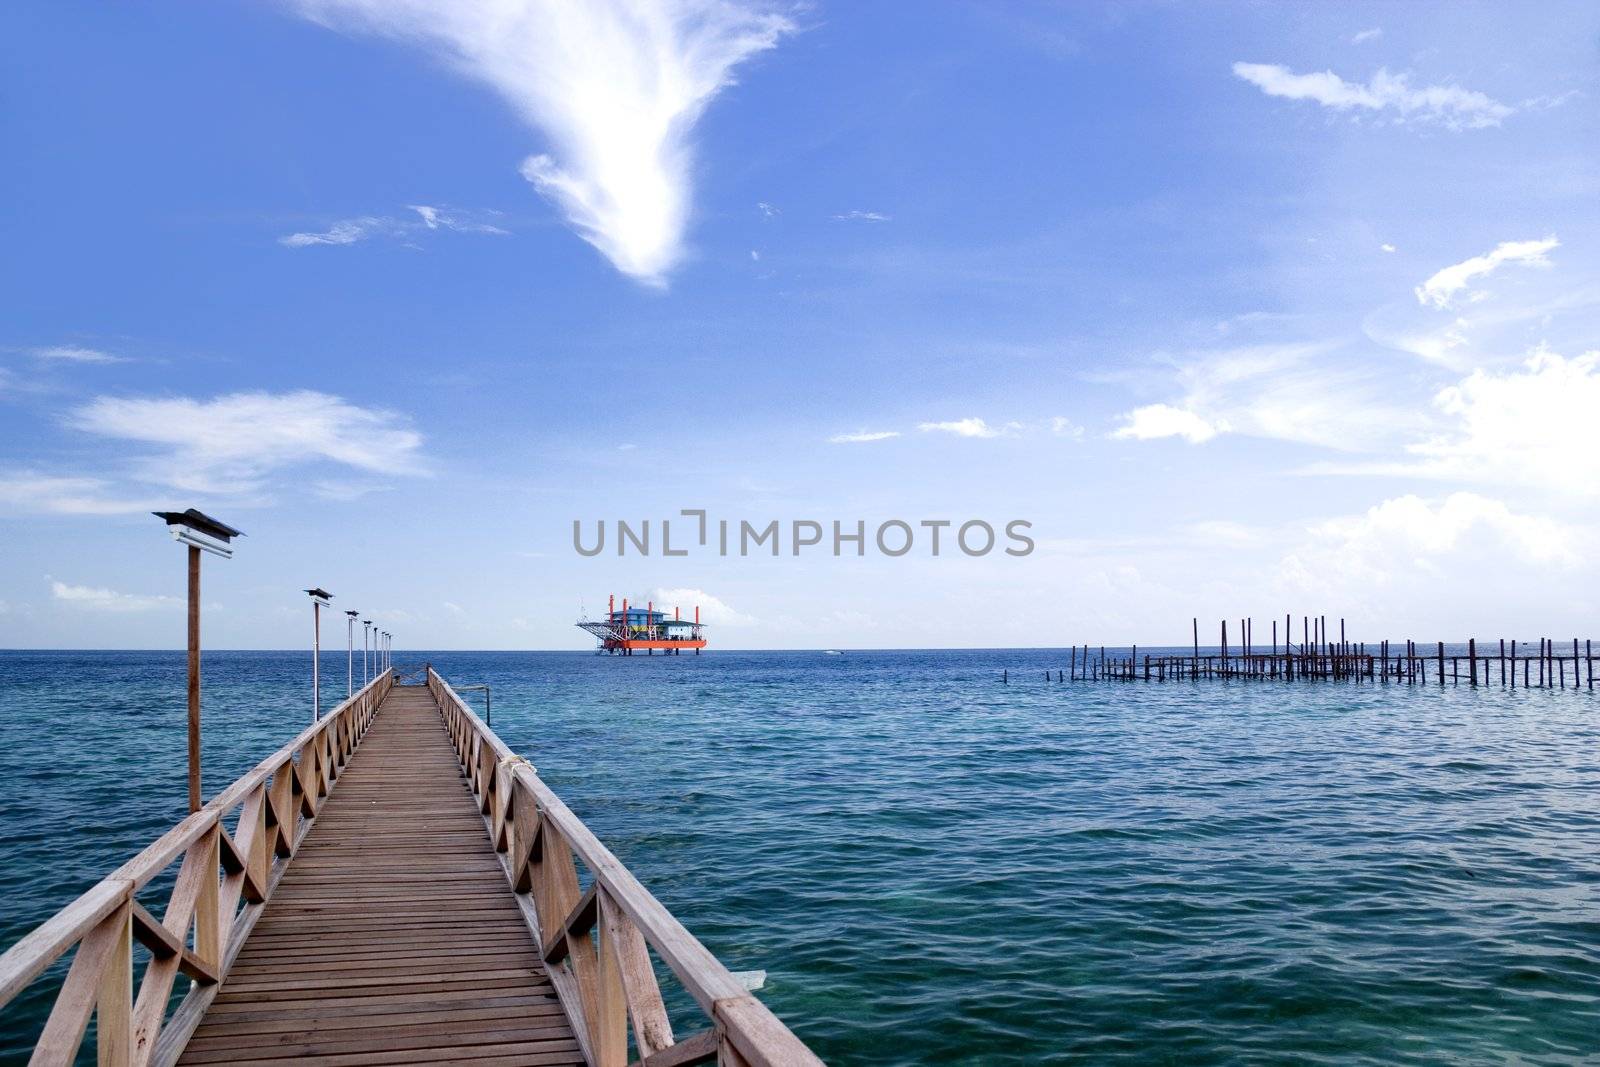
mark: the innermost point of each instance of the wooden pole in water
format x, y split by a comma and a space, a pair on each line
1472, 660
1074, 663
1441, 663
1588, 656
194, 679
1224, 648
1503, 663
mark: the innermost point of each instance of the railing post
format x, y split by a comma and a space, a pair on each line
113, 1035
611, 1015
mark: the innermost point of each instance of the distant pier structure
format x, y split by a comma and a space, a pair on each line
1320, 656
645, 629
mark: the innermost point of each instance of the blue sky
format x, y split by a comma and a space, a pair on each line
1251, 310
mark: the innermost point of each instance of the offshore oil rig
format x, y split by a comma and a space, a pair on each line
631, 629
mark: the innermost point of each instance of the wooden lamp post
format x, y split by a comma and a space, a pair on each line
201, 533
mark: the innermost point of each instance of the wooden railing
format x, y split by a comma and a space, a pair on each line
597, 943
221, 888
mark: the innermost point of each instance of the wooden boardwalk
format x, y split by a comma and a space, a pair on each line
393, 886
392, 938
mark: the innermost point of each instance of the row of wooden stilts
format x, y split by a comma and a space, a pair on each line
1317, 656
1409, 664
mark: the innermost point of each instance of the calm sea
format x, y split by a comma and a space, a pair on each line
934, 868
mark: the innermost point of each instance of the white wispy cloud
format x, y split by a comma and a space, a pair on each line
713, 611
1387, 247
1447, 105
1439, 290
76, 354
230, 444
862, 436
862, 216
1291, 391
616, 86
33, 491
1532, 425
366, 227
439, 218
344, 232
1404, 544
968, 428
1065, 427
1367, 35
109, 600
1154, 421
338, 489
1399, 560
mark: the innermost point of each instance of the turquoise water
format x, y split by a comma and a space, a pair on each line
935, 868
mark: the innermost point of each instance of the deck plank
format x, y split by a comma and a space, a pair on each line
393, 937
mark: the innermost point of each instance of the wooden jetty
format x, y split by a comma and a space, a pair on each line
1320, 657
393, 886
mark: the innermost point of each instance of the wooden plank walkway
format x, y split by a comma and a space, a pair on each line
393, 886
393, 937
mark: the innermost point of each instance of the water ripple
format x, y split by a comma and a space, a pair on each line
933, 868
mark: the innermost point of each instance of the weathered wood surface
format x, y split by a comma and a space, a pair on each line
222, 882
427, 910
393, 938
596, 943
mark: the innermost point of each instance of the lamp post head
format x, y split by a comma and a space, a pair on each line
321, 596
353, 613
199, 530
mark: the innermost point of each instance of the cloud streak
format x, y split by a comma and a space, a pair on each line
967, 428
365, 227
616, 86
32, 491
862, 437
230, 444
1439, 290
76, 354
1446, 105
109, 600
